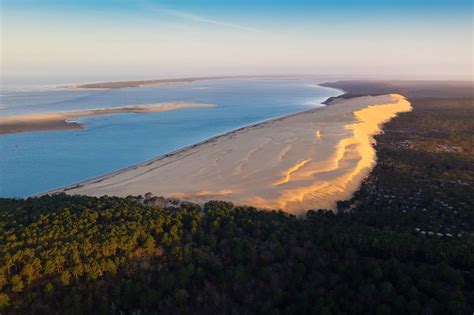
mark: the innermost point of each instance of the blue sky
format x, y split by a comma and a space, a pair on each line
237, 8
146, 38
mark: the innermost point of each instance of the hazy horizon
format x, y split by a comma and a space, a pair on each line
83, 41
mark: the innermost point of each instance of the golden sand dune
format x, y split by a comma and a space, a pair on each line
62, 120
295, 163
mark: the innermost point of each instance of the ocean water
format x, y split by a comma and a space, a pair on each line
35, 162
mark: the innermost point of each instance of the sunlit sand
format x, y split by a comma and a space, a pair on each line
302, 161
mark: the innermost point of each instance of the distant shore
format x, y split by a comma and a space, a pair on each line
127, 84
64, 120
139, 83
301, 161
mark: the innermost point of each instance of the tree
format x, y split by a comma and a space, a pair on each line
49, 289
17, 283
65, 278
149, 243
4, 301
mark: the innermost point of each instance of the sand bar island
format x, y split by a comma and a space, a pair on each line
65, 120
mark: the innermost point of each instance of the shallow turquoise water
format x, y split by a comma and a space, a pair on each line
39, 161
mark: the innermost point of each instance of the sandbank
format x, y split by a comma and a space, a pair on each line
64, 120
302, 161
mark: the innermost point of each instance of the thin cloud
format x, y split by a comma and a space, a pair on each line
202, 19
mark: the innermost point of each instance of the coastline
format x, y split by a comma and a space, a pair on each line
138, 83
157, 82
141, 83
65, 120
99, 178
290, 193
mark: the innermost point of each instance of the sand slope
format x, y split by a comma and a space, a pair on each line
295, 163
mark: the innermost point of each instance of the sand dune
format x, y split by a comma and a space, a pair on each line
302, 161
62, 120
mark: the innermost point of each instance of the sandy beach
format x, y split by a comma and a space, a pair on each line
63, 120
302, 161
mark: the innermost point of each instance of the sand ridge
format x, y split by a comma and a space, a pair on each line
302, 161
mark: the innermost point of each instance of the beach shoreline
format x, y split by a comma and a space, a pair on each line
169, 154
143, 173
65, 120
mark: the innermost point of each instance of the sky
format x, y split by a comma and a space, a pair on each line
77, 41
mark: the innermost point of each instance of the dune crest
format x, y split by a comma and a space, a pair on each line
289, 172
356, 151
295, 163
